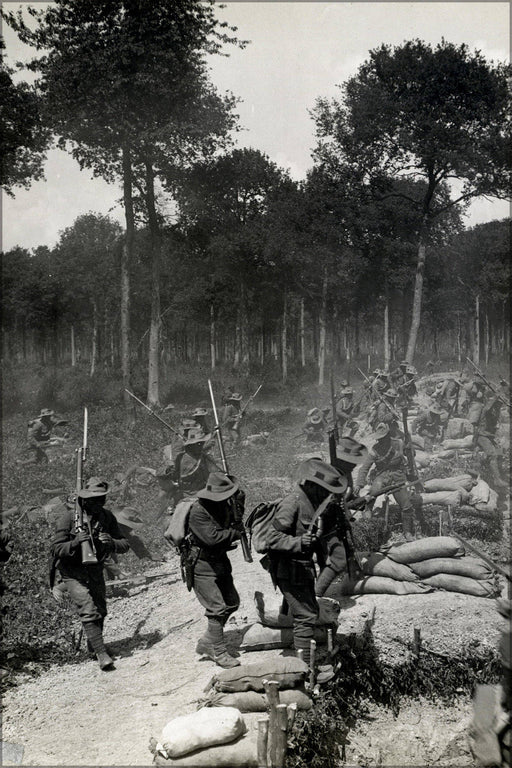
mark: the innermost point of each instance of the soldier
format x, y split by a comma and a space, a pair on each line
406, 389
230, 418
193, 465
40, 431
346, 410
201, 421
226, 395
475, 401
85, 583
427, 425
292, 543
213, 531
384, 412
485, 438
315, 426
398, 375
332, 559
387, 455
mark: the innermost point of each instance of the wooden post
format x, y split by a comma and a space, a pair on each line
440, 522
262, 743
281, 735
292, 712
416, 644
300, 654
272, 691
329, 640
369, 362
312, 655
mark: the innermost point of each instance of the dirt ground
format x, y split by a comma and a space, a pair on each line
77, 715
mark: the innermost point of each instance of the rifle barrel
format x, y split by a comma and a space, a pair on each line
483, 556
152, 412
217, 430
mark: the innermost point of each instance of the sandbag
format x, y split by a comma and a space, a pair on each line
422, 459
461, 442
381, 585
452, 583
328, 613
491, 505
466, 482
203, 728
472, 567
288, 671
251, 701
457, 428
260, 638
242, 753
446, 498
379, 565
424, 549
480, 493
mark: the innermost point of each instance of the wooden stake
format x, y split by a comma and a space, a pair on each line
416, 644
272, 691
440, 522
329, 640
281, 735
292, 712
300, 654
312, 655
262, 743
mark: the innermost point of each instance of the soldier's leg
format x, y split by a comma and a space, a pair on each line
303, 606
491, 452
403, 499
336, 564
88, 595
217, 609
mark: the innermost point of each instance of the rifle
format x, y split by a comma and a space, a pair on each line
153, 413
88, 550
343, 528
388, 406
506, 403
249, 401
412, 470
243, 535
361, 501
483, 557
334, 434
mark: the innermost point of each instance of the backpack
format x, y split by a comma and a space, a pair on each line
177, 530
258, 525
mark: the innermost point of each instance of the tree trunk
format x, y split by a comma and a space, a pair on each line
487, 339
73, 348
417, 299
212, 337
126, 260
476, 346
284, 339
356, 333
302, 336
153, 396
323, 331
94, 344
387, 356
459, 340
237, 355
244, 330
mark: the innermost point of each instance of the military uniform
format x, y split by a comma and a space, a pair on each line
85, 582
291, 547
193, 465
212, 534
230, 418
315, 426
346, 410
39, 433
485, 437
428, 425
387, 456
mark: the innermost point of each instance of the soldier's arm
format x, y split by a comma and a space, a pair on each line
33, 435
280, 537
207, 531
64, 543
120, 545
363, 472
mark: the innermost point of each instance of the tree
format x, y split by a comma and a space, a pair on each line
22, 136
438, 114
126, 86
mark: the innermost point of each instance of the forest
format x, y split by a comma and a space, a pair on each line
225, 261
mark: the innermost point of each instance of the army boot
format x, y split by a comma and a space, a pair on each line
407, 524
220, 653
94, 634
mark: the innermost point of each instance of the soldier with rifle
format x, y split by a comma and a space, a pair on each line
406, 387
427, 425
193, 464
486, 439
346, 410
383, 411
39, 434
230, 417
387, 456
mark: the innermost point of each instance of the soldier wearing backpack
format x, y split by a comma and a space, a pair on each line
292, 541
212, 531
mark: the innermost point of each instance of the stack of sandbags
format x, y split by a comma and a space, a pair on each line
252, 701
458, 443
273, 629
449, 497
457, 428
466, 482
209, 737
383, 576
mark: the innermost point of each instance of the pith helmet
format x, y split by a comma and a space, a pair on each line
317, 471
46, 412
381, 432
94, 487
351, 450
218, 487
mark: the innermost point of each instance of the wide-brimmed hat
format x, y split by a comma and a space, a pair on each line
129, 517
218, 487
94, 487
46, 412
187, 423
403, 362
314, 415
317, 471
195, 436
235, 396
391, 393
351, 450
347, 391
200, 412
343, 383
435, 408
412, 370
381, 431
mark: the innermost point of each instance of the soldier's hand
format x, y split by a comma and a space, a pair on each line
307, 540
106, 539
236, 533
356, 490
79, 539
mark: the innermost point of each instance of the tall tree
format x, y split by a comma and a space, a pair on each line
438, 114
126, 87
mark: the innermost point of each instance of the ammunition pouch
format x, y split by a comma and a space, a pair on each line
189, 555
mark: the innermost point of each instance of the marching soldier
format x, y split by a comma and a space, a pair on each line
346, 410
85, 583
230, 417
292, 544
40, 432
387, 456
213, 531
193, 465
200, 417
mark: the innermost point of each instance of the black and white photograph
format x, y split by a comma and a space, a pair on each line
255, 506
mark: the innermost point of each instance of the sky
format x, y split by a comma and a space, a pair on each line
299, 51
